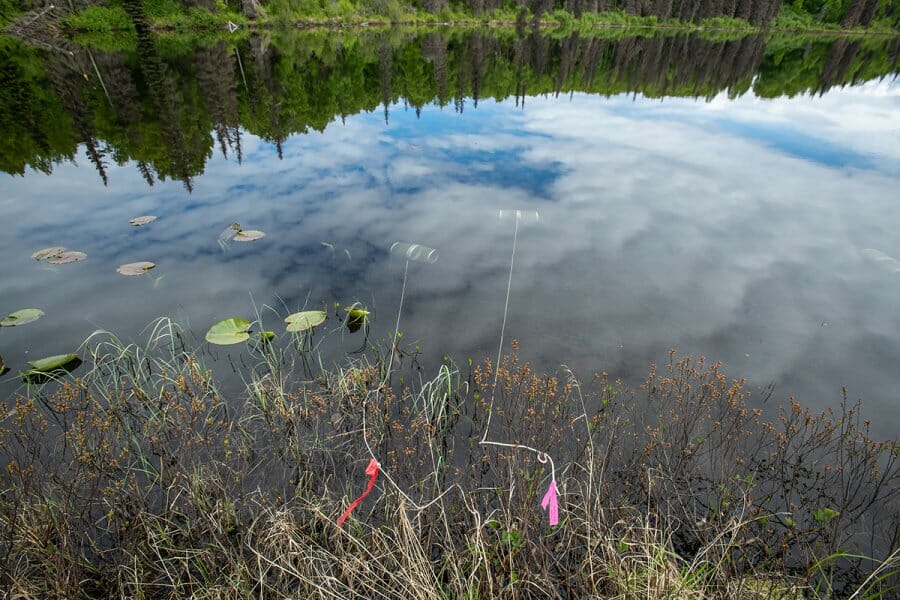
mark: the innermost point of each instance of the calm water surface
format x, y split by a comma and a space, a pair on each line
731, 206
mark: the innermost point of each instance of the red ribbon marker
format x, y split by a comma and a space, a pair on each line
372, 472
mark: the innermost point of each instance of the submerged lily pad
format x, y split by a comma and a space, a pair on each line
48, 253
307, 319
229, 331
135, 268
138, 221
229, 232
43, 369
67, 257
20, 317
248, 235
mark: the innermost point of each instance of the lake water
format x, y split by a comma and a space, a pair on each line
736, 199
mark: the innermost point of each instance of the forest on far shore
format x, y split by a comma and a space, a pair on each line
104, 15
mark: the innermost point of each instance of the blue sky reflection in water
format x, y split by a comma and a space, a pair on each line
728, 228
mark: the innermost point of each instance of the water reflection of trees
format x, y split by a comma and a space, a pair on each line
168, 110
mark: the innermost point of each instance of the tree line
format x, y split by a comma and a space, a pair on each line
762, 13
166, 109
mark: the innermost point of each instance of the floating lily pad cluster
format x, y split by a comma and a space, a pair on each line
43, 369
226, 332
140, 267
236, 330
57, 255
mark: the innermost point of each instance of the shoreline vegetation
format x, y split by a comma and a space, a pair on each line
88, 21
137, 476
809, 17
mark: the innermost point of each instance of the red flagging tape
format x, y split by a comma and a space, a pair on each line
372, 472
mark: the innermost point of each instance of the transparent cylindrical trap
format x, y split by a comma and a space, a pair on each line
414, 252
520, 215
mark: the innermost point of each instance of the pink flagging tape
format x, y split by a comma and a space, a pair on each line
372, 472
551, 504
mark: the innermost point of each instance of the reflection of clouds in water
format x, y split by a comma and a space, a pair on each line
658, 228
861, 119
702, 219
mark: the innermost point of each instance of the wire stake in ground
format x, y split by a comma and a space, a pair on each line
372, 472
550, 500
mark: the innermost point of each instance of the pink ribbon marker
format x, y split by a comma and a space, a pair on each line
550, 504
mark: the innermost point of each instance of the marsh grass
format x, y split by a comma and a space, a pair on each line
142, 480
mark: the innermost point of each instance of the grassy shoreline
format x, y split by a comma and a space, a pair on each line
140, 478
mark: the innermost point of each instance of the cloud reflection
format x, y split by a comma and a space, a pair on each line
684, 224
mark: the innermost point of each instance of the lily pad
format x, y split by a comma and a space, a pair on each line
20, 317
356, 318
230, 232
138, 221
67, 257
307, 319
43, 369
135, 268
248, 235
266, 336
356, 313
46, 253
229, 331
51, 363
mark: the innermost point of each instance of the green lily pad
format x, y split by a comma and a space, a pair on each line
48, 253
356, 313
51, 363
356, 318
229, 331
20, 317
67, 257
307, 319
135, 268
248, 235
43, 369
138, 221
266, 336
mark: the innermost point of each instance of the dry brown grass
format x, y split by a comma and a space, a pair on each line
140, 480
